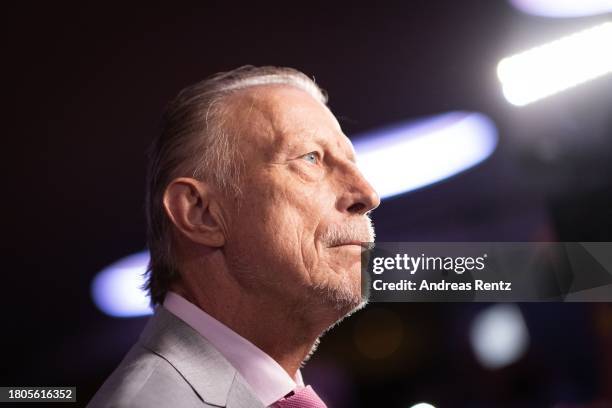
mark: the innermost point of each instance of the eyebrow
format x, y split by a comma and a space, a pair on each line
325, 143
351, 151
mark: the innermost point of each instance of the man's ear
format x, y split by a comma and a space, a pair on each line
188, 204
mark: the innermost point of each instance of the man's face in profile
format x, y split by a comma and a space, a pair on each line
296, 231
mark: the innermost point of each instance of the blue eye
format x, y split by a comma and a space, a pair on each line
312, 157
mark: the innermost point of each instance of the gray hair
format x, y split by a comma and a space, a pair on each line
195, 141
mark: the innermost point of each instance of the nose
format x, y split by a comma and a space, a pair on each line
358, 196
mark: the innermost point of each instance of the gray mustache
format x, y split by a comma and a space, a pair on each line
360, 230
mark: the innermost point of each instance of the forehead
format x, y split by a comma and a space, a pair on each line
276, 116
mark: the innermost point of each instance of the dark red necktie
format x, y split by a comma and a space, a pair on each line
304, 397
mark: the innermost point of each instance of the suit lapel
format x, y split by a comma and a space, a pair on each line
213, 378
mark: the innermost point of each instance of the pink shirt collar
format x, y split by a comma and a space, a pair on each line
268, 380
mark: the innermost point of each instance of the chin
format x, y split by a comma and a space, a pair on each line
342, 296
339, 309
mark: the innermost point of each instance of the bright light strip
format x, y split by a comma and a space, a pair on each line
422, 405
563, 8
406, 157
557, 66
499, 336
116, 290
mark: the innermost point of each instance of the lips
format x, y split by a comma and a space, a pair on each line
352, 243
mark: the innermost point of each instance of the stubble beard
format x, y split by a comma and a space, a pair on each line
338, 299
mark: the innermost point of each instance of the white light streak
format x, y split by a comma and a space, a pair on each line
557, 66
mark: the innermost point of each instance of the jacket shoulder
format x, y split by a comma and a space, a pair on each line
145, 379
172, 365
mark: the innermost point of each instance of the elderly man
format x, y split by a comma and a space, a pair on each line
257, 216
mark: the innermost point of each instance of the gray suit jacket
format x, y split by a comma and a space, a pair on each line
173, 366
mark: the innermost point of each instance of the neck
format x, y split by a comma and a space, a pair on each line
286, 332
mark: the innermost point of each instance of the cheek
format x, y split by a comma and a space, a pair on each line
294, 234
288, 208
285, 216
274, 235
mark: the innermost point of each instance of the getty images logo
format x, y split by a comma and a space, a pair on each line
413, 264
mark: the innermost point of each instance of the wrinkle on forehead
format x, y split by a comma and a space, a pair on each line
277, 115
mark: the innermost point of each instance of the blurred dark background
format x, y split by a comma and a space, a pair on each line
84, 88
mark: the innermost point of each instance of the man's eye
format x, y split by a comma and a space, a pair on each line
312, 157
